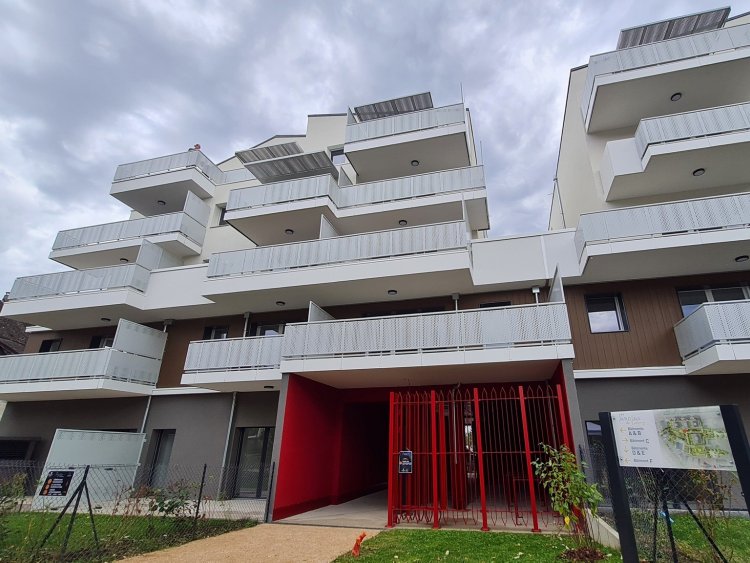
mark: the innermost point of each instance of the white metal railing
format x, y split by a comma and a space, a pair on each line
261, 352
405, 122
180, 161
380, 244
409, 187
711, 324
691, 125
525, 325
179, 222
78, 281
643, 221
662, 52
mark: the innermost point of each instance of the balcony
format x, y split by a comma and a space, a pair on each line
715, 338
517, 343
348, 269
435, 138
263, 213
622, 87
168, 179
234, 364
681, 152
129, 368
670, 239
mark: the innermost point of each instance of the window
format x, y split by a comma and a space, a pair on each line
495, 304
222, 212
691, 299
606, 313
163, 440
266, 330
102, 342
50, 345
215, 332
338, 156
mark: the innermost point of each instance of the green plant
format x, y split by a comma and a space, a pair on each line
177, 500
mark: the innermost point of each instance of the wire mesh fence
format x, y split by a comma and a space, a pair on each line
92, 513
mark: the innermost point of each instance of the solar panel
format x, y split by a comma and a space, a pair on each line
266, 153
670, 29
292, 167
406, 104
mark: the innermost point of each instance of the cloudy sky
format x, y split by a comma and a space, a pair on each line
86, 85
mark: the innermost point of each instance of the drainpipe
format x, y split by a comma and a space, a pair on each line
247, 320
229, 433
535, 290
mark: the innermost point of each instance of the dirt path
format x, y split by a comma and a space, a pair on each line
265, 542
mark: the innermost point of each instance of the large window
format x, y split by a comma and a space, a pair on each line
50, 345
338, 156
691, 299
606, 313
215, 332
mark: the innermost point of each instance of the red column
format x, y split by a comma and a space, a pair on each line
529, 471
480, 461
391, 464
435, 499
443, 457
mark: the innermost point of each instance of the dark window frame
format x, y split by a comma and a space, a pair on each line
619, 302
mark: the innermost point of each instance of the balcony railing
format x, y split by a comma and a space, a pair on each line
732, 211
691, 125
132, 276
381, 244
405, 123
262, 352
168, 223
503, 327
180, 161
711, 324
409, 187
662, 52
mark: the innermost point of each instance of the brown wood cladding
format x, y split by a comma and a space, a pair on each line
651, 308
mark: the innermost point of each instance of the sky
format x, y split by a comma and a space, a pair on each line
86, 85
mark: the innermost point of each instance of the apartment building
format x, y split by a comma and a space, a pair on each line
327, 314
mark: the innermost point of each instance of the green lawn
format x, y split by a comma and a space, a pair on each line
118, 535
402, 546
732, 535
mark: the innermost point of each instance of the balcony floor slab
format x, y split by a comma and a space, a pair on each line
720, 359
91, 388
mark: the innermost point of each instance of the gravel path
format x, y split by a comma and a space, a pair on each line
265, 542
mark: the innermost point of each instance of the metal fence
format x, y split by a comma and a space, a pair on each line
109, 512
259, 352
406, 122
180, 161
711, 324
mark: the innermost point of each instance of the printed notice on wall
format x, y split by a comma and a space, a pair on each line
689, 438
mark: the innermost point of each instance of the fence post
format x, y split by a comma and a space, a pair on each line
200, 496
480, 461
391, 466
529, 471
270, 491
435, 500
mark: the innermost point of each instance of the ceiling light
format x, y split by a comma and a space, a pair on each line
415, 162
281, 303
403, 222
105, 319
699, 172
289, 231
161, 202
268, 387
124, 260
392, 292
677, 96
743, 258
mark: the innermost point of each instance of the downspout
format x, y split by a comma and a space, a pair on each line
229, 433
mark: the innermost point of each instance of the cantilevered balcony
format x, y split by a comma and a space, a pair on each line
356, 268
129, 368
660, 78
420, 141
715, 338
234, 364
160, 185
264, 213
670, 239
680, 152
518, 342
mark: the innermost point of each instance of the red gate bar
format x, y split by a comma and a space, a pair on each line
435, 499
480, 460
532, 489
563, 418
392, 461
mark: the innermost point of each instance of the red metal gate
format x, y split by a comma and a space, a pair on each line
472, 450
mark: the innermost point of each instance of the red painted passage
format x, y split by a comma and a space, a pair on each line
472, 452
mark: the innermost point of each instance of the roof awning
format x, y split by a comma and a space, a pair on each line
266, 153
670, 29
292, 167
406, 104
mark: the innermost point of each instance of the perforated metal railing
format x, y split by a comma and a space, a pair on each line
731, 211
77, 281
524, 325
381, 244
691, 125
168, 223
261, 352
697, 45
711, 324
180, 161
409, 187
406, 122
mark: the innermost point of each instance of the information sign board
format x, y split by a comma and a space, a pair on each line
56, 484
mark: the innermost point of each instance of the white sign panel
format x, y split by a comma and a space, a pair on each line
688, 438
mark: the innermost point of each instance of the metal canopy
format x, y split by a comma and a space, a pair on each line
395, 106
670, 29
266, 153
291, 167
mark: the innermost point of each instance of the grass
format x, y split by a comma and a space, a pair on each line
119, 536
732, 535
401, 546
